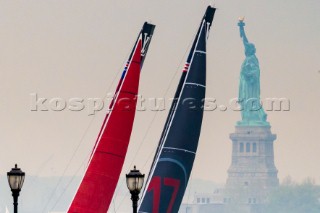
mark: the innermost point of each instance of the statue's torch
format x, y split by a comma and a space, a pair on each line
241, 24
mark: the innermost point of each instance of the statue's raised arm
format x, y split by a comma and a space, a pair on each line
249, 47
241, 25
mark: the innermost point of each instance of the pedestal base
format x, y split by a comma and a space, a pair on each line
252, 174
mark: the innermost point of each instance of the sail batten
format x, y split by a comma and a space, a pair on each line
99, 182
172, 165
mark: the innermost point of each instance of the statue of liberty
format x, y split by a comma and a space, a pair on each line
249, 89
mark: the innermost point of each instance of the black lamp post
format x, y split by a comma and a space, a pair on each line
15, 179
135, 182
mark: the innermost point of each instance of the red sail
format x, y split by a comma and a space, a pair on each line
99, 182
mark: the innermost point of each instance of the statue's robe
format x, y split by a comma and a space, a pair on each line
249, 90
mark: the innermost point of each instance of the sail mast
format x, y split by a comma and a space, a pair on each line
178, 144
101, 177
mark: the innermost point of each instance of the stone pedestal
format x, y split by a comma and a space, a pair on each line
252, 174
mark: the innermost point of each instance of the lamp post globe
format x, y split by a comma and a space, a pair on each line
15, 178
135, 183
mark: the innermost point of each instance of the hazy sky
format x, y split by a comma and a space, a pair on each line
77, 48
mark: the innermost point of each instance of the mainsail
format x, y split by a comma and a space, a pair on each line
178, 144
101, 177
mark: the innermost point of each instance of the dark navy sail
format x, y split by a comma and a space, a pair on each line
178, 144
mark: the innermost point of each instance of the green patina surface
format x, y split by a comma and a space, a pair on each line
252, 112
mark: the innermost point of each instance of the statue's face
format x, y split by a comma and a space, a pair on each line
250, 49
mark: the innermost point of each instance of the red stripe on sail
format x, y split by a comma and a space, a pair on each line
186, 67
98, 185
